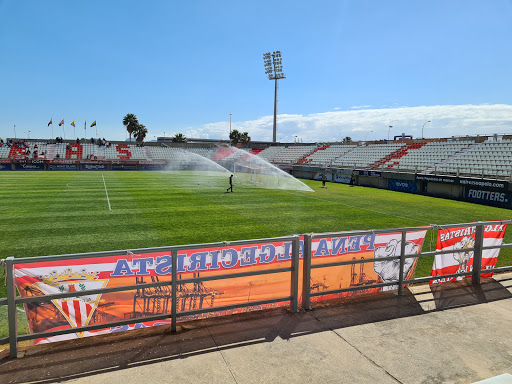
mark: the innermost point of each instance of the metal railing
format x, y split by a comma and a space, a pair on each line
475, 273
12, 300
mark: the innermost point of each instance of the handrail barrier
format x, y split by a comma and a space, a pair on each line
13, 300
475, 273
293, 272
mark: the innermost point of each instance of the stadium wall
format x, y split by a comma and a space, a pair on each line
81, 165
496, 193
481, 191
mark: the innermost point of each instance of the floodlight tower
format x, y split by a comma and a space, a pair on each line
274, 71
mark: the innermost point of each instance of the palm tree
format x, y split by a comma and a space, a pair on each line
234, 137
131, 123
179, 138
245, 138
140, 133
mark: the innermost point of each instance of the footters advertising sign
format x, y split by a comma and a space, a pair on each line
459, 239
45, 278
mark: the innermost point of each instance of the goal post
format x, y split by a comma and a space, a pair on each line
247, 173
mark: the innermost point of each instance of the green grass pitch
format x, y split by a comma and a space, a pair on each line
47, 213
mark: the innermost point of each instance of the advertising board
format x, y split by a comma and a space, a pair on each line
124, 167
94, 167
29, 167
402, 185
62, 167
488, 197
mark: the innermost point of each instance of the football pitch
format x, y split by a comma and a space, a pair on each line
48, 213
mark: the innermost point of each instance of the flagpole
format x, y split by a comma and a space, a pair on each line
74, 131
64, 130
52, 126
85, 130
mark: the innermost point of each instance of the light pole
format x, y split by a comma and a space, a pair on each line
389, 130
274, 71
423, 128
230, 125
29, 135
14, 130
367, 135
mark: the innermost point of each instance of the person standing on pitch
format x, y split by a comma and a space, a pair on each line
324, 179
230, 184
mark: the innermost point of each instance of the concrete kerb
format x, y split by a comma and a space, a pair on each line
378, 338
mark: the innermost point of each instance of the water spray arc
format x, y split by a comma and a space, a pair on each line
249, 168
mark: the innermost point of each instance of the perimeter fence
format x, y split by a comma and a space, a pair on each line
283, 264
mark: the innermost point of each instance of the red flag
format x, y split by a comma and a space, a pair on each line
61, 123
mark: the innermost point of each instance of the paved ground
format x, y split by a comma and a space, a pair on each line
454, 334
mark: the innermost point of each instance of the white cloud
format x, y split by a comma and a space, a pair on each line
361, 107
445, 121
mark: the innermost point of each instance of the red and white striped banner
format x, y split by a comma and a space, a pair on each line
459, 239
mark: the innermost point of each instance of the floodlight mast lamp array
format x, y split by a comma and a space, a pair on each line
274, 70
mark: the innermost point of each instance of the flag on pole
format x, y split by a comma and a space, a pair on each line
73, 123
51, 122
61, 123
93, 123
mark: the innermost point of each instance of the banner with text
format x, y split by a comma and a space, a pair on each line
459, 239
44, 278
359, 247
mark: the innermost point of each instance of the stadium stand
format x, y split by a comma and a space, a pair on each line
256, 151
325, 155
270, 152
206, 152
223, 152
292, 154
462, 156
367, 156
429, 156
484, 159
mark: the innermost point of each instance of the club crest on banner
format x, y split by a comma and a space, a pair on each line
78, 311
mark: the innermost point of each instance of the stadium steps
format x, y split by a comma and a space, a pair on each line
50, 155
304, 159
147, 151
450, 159
256, 151
222, 153
399, 153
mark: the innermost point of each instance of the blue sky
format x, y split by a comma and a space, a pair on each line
353, 67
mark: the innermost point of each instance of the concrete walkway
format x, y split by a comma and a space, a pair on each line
455, 333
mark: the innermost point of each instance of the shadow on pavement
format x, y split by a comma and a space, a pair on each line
79, 358
461, 293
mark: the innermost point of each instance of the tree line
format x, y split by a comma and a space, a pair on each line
139, 132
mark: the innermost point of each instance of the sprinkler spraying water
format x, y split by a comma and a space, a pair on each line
252, 169
191, 169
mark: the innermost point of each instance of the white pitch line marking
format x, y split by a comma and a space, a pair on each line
106, 193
